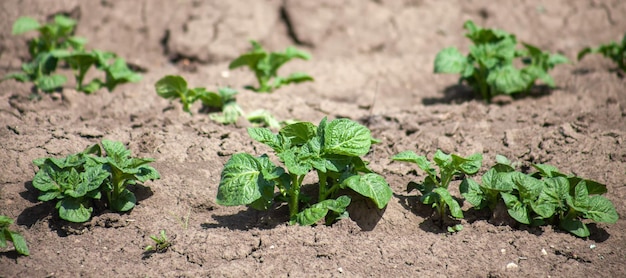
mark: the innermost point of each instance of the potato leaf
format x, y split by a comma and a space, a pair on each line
453, 205
346, 137
25, 24
75, 209
450, 60
319, 210
372, 186
242, 181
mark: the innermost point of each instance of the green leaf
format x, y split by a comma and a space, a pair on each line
450, 60
318, 211
600, 209
299, 133
241, 181
297, 77
25, 24
171, 86
346, 137
372, 186
248, 59
265, 136
508, 80
19, 243
469, 165
575, 227
410, 156
125, 201
75, 210
453, 205
547, 171
49, 83
472, 193
517, 210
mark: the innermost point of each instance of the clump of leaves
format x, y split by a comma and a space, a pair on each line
265, 67
489, 68
434, 188
161, 243
544, 197
175, 87
613, 50
8, 235
333, 150
55, 45
80, 179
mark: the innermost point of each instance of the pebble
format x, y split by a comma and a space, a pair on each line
544, 252
512, 266
503, 251
340, 270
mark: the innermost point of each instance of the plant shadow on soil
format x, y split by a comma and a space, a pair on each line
460, 93
361, 210
46, 210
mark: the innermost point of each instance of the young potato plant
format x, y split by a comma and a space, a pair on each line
55, 45
332, 150
544, 197
613, 50
265, 67
7, 235
434, 189
175, 87
78, 180
490, 69
161, 243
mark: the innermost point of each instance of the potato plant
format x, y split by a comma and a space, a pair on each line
434, 188
80, 179
490, 67
56, 45
265, 67
15, 237
616, 51
332, 150
546, 196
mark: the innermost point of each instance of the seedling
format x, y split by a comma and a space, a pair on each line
489, 68
56, 44
175, 87
78, 180
333, 150
161, 243
544, 197
434, 189
613, 50
7, 235
265, 67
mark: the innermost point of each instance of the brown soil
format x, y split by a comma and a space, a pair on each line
373, 63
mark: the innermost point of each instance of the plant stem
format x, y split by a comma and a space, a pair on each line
294, 194
322, 188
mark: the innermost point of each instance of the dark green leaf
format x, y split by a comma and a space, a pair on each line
472, 193
318, 211
75, 210
124, 202
453, 205
516, 209
575, 227
372, 186
299, 133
